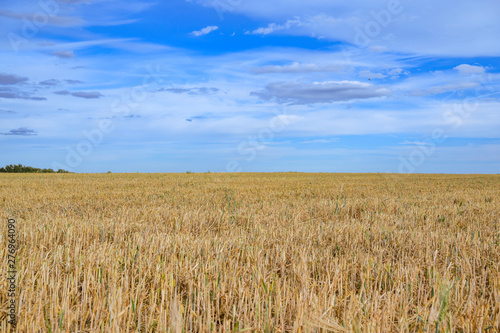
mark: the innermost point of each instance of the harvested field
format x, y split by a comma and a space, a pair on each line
287, 252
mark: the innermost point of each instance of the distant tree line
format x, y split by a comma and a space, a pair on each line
27, 169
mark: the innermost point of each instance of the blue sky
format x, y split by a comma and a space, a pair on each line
239, 85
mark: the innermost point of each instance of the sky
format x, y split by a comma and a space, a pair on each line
251, 86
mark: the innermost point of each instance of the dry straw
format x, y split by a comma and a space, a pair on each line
254, 252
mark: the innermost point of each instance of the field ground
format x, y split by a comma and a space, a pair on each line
253, 252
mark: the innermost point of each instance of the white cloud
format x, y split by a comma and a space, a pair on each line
322, 140
205, 31
297, 67
392, 73
266, 31
286, 119
113, 23
470, 69
371, 75
273, 27
396, 72
415, 143
439, 89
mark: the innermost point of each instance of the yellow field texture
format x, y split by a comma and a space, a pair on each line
286, 252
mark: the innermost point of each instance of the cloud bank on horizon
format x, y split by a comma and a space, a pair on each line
320, 86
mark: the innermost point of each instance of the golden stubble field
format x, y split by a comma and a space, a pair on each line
287, 252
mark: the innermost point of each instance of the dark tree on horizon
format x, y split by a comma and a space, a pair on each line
28, 169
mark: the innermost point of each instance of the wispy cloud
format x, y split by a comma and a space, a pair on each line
23, 131
320, 92
322, 140
73, 81
127, 44
11, 79
12, 93
439, 89
297, 67
273, 27
114, 23
64, 54
46, 43
370, 75
51, 82
196, 118
191, 91
392, 73
205, 31
2, 111
54, 82
56, 20
87, 94
415, 143
81, 94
